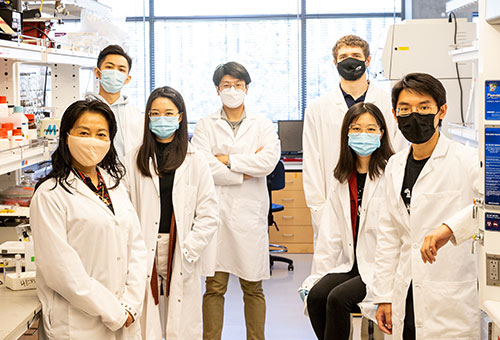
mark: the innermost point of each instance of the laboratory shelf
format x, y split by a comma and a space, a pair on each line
22, 156
39, 54
20, 51
454, 5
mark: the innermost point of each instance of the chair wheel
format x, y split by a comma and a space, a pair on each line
290, 267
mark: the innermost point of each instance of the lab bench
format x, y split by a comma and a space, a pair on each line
19, 310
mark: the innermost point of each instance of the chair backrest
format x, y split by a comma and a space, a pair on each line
276, 179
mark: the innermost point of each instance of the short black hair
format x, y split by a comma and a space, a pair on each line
113, 49
421, 83
233, 69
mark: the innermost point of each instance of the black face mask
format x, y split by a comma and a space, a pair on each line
351, 69
416, 127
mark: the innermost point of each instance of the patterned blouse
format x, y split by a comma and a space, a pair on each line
101, 191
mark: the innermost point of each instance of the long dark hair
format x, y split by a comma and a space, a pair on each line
179, 145
347, 159
61, 158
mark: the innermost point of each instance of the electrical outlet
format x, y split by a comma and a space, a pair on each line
493, 270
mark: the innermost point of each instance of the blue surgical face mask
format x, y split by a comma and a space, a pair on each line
364, 143
112, 81
163, 127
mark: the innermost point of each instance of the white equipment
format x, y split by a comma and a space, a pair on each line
423, 45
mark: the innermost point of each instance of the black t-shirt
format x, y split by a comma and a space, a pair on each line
412, 171
350, 101
166, 186
361, 180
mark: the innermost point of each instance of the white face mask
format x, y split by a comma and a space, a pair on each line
232, 98
88, 151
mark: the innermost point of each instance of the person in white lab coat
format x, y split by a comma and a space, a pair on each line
173, 192
113, 72
430, 184
90, 254
242, 149
323, 118
342, 268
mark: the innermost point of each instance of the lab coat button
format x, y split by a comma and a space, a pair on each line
179, 300
180, 273
416, 246
118, 258
149, 276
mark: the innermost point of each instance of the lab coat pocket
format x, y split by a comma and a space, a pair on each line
247, 216
133, 332
190, 203
436, 207
449, 308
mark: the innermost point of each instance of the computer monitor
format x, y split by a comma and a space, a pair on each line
290, 132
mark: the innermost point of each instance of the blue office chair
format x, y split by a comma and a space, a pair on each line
276, 181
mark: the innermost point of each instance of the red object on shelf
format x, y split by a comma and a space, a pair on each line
8, 126
4, 133
39, 30
17, 132
3, 100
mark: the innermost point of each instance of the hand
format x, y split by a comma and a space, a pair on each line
245, 176
224, 159
435, 240
303, 293
129, 321
259, 149
384, 317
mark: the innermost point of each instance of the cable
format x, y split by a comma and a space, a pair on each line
456, 67
32, 28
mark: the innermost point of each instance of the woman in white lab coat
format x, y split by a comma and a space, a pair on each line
322, 122
90, 254
172, 189
342, 268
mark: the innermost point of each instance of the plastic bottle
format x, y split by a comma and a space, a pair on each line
32, 133
4, 108
19, 119
4, 140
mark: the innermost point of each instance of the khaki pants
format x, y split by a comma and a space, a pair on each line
213, 307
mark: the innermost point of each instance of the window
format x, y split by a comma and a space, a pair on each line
187, 53
286, 51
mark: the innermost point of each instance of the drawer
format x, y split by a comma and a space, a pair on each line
290, 199
293, 181
297, 248
293, 216
291, 234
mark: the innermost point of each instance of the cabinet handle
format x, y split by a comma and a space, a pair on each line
287, 199
287, 217
288, 235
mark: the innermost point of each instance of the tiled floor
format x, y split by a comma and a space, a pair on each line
285, 319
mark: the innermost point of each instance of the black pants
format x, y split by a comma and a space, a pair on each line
331, 301
409, 323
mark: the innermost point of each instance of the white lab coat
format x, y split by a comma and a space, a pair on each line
196, 216
130, 123
243, 242
334, 251
91, 263
444, 293
321, 142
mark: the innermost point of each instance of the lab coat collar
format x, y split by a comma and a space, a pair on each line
245, 124
83, 189
368, 192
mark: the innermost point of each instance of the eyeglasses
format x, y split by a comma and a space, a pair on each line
163, 114
237, 86
406, 110
355, 128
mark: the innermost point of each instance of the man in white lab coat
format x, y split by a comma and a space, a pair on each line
323, 119
242, 149
113, 72
430, 184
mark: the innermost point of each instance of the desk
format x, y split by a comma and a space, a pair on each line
18, 310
